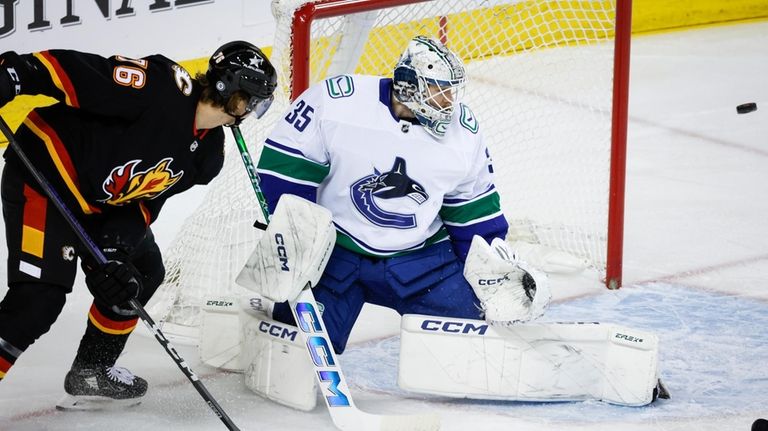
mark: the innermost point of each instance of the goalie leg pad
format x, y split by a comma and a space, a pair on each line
531, 362
219, 334
274, 360
221, 328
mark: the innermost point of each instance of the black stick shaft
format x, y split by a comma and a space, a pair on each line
96, 253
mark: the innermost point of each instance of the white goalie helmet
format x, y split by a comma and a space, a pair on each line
429, 79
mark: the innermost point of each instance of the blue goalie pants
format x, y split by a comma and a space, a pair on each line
428, 281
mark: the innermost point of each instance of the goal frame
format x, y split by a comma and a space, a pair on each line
304, 16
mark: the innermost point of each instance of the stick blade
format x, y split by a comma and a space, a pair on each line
427, 422
357, 420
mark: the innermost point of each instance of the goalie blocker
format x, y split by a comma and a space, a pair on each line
529, 362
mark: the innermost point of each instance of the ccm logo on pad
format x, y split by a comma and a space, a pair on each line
491, 281
453, 327
282, 254
278, 331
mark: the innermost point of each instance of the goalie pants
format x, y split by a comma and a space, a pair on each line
428, 281
42, 264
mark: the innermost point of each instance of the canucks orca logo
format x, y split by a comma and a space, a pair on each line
388, 185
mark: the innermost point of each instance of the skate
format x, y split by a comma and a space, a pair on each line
101, 388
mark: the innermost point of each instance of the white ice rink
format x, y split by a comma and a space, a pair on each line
695, 272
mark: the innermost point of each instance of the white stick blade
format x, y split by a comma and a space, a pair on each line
428, 422
358, 420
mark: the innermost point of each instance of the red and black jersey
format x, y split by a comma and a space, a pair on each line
122, 138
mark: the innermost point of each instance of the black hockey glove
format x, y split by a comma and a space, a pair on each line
115, 282
10, 85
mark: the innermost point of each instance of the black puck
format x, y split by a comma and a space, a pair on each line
746, 108
760, 425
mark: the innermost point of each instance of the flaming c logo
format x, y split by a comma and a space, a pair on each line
124, 186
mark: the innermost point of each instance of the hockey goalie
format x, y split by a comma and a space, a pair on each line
382, 192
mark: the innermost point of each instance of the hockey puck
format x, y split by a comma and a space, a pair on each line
760, 425
746, 108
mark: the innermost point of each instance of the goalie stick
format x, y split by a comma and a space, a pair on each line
344, 413
96, 253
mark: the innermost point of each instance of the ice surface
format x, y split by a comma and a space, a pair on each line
695, 271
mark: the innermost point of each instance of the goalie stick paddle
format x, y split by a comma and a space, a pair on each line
96, 253
331, 381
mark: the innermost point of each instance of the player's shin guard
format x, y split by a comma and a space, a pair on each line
8, 356
26, 312
105, 337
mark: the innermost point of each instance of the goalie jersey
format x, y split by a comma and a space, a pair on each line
392, 188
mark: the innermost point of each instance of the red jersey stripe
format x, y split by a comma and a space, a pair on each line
60, 157
59, 77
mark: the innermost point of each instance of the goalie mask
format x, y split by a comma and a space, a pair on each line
429, 79
241, 66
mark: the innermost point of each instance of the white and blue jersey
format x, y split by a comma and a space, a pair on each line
392, 188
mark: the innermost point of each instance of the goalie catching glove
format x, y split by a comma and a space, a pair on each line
509, 291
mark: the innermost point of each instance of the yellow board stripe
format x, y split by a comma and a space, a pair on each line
647, 16
32, 241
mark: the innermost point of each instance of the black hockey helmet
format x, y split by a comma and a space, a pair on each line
241, 66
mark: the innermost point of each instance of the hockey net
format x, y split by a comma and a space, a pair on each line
547, 80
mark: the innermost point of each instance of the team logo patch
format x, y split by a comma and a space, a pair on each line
392, 184
183, 80
123, 185
68, 253
255, 63
340, 86
468, 119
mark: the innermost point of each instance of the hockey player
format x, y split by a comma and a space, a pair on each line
125, 135
402, 166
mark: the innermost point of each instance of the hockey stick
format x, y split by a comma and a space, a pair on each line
96, 253
344, 413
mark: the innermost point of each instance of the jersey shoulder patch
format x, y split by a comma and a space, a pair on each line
183, 79
468, 120
340, 86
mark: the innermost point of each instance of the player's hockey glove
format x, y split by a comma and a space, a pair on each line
6, 88
115, 282
10, 85
118, 232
